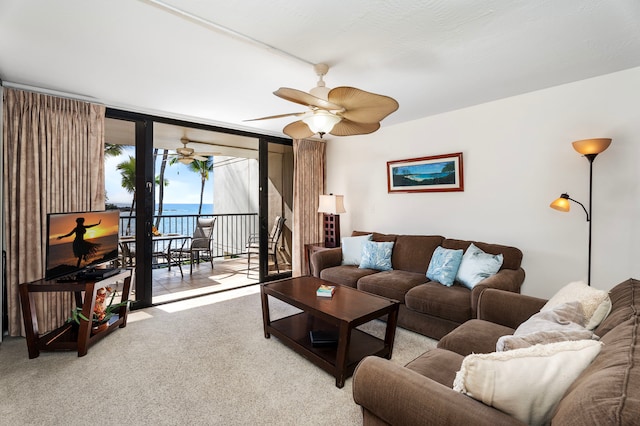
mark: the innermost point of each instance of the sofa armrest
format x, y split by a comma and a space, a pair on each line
400, 396
507, 308
505, 279
325, 259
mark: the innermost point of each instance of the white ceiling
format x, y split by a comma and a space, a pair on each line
432, 56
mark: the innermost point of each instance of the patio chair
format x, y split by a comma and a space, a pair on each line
253, 245
200, 242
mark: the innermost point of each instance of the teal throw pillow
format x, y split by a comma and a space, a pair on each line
352, 249
444, 265
376, 255
477, 265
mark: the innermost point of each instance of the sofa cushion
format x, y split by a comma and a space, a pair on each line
376, 255
413, 253
564, 322
474, 336
527, 383
512, 256
438, 365
444, 265
345, 274
352, 249
608, 391
625, 302
477, 265
595, 303
391, 284
381, 238
451, 303
376, 236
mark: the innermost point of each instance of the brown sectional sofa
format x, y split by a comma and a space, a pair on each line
606, 393
426, 307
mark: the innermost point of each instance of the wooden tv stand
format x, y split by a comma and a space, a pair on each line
68, 336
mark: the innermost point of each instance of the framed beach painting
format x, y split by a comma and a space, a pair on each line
438, 173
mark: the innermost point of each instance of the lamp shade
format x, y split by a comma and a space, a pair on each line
591, 146
331, 204
561, 204
321, 121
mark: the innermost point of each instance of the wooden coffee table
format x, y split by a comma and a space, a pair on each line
342, 313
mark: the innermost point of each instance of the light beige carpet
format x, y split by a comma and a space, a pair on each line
198, 362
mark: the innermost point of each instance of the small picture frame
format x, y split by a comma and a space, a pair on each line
437, 173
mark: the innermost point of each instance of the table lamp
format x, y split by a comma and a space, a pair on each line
331, 205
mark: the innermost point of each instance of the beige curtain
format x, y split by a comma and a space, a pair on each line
53, 162
309, 159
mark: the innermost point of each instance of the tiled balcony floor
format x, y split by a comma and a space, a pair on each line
226, 274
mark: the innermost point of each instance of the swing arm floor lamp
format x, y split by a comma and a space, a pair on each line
590, 148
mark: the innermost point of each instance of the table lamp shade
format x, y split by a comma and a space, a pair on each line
331, 204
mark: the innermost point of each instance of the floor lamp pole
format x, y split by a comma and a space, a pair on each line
590, 157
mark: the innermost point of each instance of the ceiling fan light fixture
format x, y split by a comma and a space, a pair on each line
186, 160
185, 151
321, 122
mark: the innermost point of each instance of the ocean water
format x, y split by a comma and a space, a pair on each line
176, 209
180, 209
181, 224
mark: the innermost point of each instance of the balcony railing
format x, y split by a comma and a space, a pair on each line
230, 235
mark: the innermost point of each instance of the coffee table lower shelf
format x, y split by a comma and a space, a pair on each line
294, 330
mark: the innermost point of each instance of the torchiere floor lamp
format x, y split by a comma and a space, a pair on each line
590, 148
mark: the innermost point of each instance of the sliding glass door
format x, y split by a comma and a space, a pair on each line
276, 209
247, 189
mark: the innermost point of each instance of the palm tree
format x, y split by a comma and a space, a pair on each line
128, 172
112, 150
203, 168
162, 182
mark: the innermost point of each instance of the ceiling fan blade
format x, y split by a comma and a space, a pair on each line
361, 106
199, 157
298, 130
304, 98
351, 128
294, 114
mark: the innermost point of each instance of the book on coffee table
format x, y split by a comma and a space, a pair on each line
323, 338
326, 290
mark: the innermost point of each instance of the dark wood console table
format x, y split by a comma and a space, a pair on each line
68, 336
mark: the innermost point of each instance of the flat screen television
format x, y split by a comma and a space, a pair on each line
80, 240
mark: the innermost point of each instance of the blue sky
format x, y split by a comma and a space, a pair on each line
183, 188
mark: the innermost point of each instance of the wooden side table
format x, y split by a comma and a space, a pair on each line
67, 336
309, 249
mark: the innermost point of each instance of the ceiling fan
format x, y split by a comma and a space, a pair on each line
341, 111
186, 155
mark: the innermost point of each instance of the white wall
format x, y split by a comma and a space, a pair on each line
235, 185
517, 159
